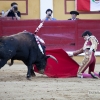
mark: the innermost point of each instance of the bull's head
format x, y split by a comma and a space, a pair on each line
42, 64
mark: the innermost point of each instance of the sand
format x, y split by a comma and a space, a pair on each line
15, 86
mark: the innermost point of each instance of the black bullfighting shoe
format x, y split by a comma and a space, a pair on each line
94, 76
99, 74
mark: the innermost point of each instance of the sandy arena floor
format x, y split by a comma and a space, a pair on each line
15, 86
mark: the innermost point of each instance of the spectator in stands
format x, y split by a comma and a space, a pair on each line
13, 11
49, 15
74, 15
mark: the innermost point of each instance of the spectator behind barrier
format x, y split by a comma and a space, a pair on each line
49, 15
13, 11
74, 15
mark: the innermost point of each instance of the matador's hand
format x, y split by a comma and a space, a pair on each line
70, 54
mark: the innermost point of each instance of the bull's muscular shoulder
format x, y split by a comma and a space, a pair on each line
20, 37
24, 36
3, 38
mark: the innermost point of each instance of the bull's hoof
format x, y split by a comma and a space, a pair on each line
41, 71
10, 64
33, 74
28, 77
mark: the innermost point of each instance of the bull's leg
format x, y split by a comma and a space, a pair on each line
30, 62
29, 71
32, 72
2, 62
11, 63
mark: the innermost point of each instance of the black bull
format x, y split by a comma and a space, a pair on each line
23, 46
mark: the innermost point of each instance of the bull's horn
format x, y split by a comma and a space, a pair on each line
51, 56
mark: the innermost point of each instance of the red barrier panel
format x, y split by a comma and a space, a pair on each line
63, 34
12, 26
1, 28
92, 25
59, 34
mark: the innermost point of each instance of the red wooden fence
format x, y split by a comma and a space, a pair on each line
63, 34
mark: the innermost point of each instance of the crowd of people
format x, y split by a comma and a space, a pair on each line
14, 13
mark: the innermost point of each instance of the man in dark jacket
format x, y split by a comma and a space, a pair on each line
13, 11
74, 15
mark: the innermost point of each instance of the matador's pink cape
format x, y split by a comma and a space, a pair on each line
66, 66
